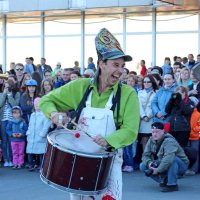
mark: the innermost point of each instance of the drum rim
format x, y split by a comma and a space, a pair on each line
66, 189
105, 154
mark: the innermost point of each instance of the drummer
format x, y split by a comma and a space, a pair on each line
96, 99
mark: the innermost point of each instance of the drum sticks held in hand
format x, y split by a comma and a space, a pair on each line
75, 134
78, 127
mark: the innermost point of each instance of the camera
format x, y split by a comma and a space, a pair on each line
9, 89
149, 172
174, 95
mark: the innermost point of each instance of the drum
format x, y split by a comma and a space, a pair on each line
76, 165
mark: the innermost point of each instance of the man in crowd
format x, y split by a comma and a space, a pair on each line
164, 159
65, 78
43, 67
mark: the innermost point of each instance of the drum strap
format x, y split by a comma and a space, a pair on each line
74, 115
116, 102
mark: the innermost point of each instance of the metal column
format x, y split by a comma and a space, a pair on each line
124, 31
42, 36
4, 38
153, 37
82, 64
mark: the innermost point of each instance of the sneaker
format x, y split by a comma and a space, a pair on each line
163, 185
127, 169
169, 188
10, 164
19, 166
190, 173
14, 167
31, 169
6, 164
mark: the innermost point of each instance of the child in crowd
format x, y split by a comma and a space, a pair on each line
194, 139
27, 98
16, 129
36, 136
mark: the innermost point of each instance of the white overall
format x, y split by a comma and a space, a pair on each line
100, 121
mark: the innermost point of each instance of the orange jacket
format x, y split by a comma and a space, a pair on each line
195, 124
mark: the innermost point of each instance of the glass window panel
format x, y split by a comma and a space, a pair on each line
170, 45
63, 49
140, 48
94, 24
61, 27
20, 48
138, 23
186, 22
23, 29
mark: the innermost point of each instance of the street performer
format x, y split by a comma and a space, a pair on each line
104, 96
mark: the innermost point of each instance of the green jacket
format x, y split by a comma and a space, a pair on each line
70, 95
13, 101
166, 154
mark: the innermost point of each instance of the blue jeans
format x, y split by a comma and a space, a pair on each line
195, 144
177, 168
6, 144
129, 153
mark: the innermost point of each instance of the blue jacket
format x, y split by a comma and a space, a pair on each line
160, 101
167, 69
26, 109
60, 83
17, 126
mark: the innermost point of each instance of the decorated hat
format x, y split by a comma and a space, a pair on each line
157, 125
108, 47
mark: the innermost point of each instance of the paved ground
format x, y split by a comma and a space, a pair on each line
24, 185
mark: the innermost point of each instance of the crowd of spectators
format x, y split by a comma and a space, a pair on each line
169, 94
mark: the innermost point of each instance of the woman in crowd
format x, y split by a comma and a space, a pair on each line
146, 115
138, 86
161, 99
184, 78
194, 139
167, 69
46, 87
9, 97
179, 109
27, 98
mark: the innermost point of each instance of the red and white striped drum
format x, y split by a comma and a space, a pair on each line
76, 165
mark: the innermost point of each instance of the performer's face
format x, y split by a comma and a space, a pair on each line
111, 71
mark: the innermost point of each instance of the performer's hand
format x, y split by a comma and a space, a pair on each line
155, 170
100, 141
57, 118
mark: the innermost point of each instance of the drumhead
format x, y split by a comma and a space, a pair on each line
67, 140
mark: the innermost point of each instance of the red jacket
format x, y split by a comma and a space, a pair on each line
143, 71
195, 124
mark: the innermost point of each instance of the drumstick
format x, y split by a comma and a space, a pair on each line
73, 122
77, 135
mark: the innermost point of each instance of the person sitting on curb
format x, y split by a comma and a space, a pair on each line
163, 159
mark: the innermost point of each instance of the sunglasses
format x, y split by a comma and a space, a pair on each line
14, 112
147, 81
19, 69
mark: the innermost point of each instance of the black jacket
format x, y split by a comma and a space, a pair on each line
190, 87
180, 113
